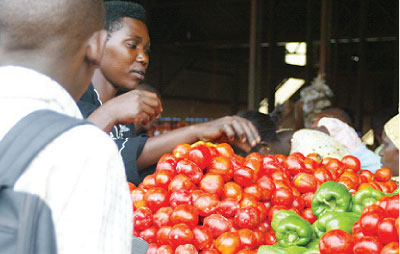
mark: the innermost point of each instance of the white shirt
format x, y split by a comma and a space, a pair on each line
80, 174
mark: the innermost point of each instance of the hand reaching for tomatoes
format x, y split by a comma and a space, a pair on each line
232, 129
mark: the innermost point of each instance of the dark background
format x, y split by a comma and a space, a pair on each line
200, 52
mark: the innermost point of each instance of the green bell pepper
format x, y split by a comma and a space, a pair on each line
314, 250
365, 197
292, 231
281, 215
272, 249
331, 196
335, 220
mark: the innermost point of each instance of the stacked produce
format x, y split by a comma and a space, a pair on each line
205, 199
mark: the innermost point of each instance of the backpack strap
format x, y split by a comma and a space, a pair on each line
27, 138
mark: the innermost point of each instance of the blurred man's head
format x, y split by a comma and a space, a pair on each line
332, 112
59, 38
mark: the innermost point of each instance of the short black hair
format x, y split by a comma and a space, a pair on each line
264, 123
116, 10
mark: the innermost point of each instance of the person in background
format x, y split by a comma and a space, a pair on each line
48, 52
378, 120
126, 57
332, 112
390, 151
347, 136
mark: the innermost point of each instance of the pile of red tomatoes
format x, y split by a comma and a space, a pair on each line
203, 198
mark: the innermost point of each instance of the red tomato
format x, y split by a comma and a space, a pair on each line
310, 165
142, 218
392, 185
195, 194
186, 249
213, 150
243, 176
315, 157
305, 183
156, 198
228, 243
247, 217
212, 183
374, 208
185, 214
298, 203
384, 187
165, 249
233, 190
334, 166
217, 224
248, 200
390, 248
162, 216
149, 234
167, 162
247, 238
162, 235
336, 241
189, 169
308, 197
347, 182
387, 231
367, 245
269, 167
364, 185
237, 161
351, 162
254, 190
282, 196
180, 234
367, 174
294, 164
203, 239
137, 196
357, 231
149, 182
260, 238
180, 182
369, 223
206, 204
200, 155
397, 225
221, 165
322, 175
152, 248
264, 226
263, 210
180, 197
181, 151
308, 215
225, 149
267, 187
383, 174
352, 176
163, 178
280, 158
270, 238
228, 207
392, 207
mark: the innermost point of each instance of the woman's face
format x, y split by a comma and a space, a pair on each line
389, 155
126, 55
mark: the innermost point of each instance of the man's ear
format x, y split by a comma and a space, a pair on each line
95, 47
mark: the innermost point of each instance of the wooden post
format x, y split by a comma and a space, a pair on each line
255, 55
324, 38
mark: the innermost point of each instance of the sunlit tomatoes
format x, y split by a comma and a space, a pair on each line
383, 174
200, 155
203, 239
142, 218
185, 214
243, 176
206, 204
186, 249
217, 224
247, 217
305, 182
189, 169
221, 165
367, 244
181, 151
180, 234
212, 183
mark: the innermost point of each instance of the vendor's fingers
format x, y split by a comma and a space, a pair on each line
229, 132
243, 146
255, 132
239, 130
250, 133
149, 111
